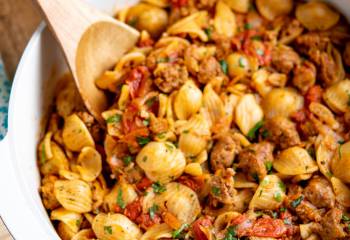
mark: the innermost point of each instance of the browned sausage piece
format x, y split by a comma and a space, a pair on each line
252, 159
282, 132
304, 76
330, 227
303, 208
223, 153
319, 192
222, 186
284, 59
171, 77
208, 69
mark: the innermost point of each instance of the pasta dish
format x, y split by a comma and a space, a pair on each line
228, 120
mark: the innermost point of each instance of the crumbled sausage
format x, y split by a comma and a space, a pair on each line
290, 30
282, 132
346, 55
304, 76
223, 46
284, 59
330, 227
47, 192
311, 43
222, 186
208, 69
253, 159
303, 208
223, 153
158, 125
319, 192
328, 69
170, 77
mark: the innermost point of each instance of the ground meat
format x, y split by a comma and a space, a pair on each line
192, 182
222, 186
47, 192
319, 192
223, 153
158, 125
290, 30
330, 227
252, 159
87, 118
282, 131
327, 69
171, 77
304, 76
208, 69
284, 59
346, 55
311, 43
303, 208
223, 46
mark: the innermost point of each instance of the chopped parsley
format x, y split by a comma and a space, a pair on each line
252, 132
144, 159
277, 196
153, 210
224, 66
283, 209
287, 221
127, 159
345, 218
247, 26
158, 188
132, 22
163, 60
151, 101
161, 135
114, 119
231, 233
208, 31
256, 38
265, 134
108, 229
282, 186
216, 191
169, 147
341, 142
142, 141
186, 131
120, 200
274, 215
177, 233
311, 152
297, 201
260, 52
329, 174
145, 122
255, 177
78, 222
242, 62
268, 166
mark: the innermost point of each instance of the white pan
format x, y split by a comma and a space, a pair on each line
31, 97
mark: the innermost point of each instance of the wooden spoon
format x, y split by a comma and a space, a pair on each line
91, 41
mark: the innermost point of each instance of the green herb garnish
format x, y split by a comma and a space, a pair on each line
224, 66
287, 221
120, 200
297, 201
153, 210
265, 134
277, 196
158, 188
108, 229
216, 191
247, 26
151, 101
161, 135
208, 31
282, 186
132, 22
142, 141
255, 177
268, 166
145, 122
127, 159
253, 132
231, 233
345, 218
256, 38
242, 62
114, 119
163, 60
178, 232
283, 209
169, 147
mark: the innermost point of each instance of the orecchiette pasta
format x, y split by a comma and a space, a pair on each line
187, 101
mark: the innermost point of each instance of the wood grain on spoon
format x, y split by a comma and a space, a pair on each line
91, 41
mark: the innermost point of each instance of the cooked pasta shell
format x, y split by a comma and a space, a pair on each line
316, 16
124, 190
69, 175
224, 220
109, 80
270, 9
239, 64
179, 200
194, 169
225, 20
124, 97
76, 135
99, 190
157, 231
72, 219
260, 82
163, 103
197, 124
340, 164
241, 6
161, 161
282, 102
341, 191
241, 181
58, 162
324, 114
306, 230
73, 195
269, 195
158, 3
192, 144
188, 100
325, 148
134, 57
213, 104
337, 96
90, 164
115, 226
294, 161
85, 234
46, 151
248, 113
113, 119
64, 231
192, 25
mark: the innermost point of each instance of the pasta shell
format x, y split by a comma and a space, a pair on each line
324, 114
241, 181
192, 25
241, 6
325, 148
224, 220
248, 113
73, 195
270, 9
71, 219
197, 124
282, 102
57, 162
122, 189
341, 191
90, 164
163, 103
64, 231
192, 144
124, 97
294, 161
269, 195
306, 230
194, 169
260, 82
115, 226
188, 100
213, 104
340, 164
179, 200
225, 20
158, 3
157, 231
316, 16
76, 135
134, 57
238, 64
337, 97
161, 161
85, 234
